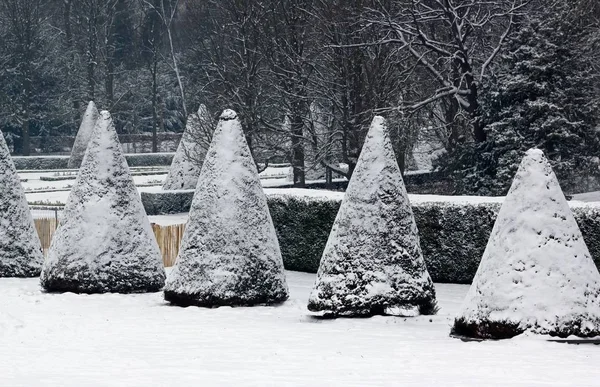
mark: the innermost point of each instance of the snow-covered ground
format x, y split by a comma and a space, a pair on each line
56, 192
138, 340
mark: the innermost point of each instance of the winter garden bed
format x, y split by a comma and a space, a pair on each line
453, 230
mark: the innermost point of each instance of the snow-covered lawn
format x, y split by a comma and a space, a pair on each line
138, 340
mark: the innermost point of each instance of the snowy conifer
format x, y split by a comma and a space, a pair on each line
104, 242
229, 254
20, 247
187, 163
536, 273
372, 263
88, 121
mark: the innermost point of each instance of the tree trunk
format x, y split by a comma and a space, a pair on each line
154, 106
298, 151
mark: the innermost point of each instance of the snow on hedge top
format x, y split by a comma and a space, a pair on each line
187, 163
229, 253
536, 271
372, 263
20, 247
88, 121
105, 242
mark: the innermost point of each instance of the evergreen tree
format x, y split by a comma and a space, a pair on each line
88, 121
229, 254
20, 247
541, 96
536, 273
372, 263
187, 162
104, 242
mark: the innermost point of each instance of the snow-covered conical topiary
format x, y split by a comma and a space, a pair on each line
536, 274
229, 254
88, 121
187, 163
372, 263
20, 247
104, 242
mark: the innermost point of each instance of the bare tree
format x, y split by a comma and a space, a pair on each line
454, 42
24, 20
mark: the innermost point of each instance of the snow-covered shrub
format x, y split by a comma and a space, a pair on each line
536, 274
187, 163
20, 247
229, 253
37, 163
372, 262
149, 159
88, 121
104, 242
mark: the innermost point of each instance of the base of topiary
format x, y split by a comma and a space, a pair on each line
211, 301
485, 329
424, 308
125, 286
498, 330
11, 272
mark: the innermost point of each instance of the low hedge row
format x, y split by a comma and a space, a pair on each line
31, 163
149, 159
453, 235
36, 163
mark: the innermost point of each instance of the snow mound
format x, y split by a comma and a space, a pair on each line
187, 162
20, 247
372, 263
229, 254
88, 121
104, 242
536, 274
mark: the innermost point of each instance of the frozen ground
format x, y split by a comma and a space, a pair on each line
137, 340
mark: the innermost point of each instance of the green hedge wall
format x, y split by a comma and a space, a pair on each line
453, 235
36, 163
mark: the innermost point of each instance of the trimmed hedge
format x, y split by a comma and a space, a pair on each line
453, 235
36, 163
31, 163
167, 202
149, 159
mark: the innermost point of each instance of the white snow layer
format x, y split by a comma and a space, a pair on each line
372, 262
137, 340
186, 164
229, 253
104, 241
20, 247
88, 121
536, 271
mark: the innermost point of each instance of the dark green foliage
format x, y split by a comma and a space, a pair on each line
302, 228
149, 159
542, 96
506, 330
167, 202
31, 163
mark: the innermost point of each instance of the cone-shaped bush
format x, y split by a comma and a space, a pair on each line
88, 122
104, 242
187, 162
229, 253
372, 263
20, 247
536, 274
